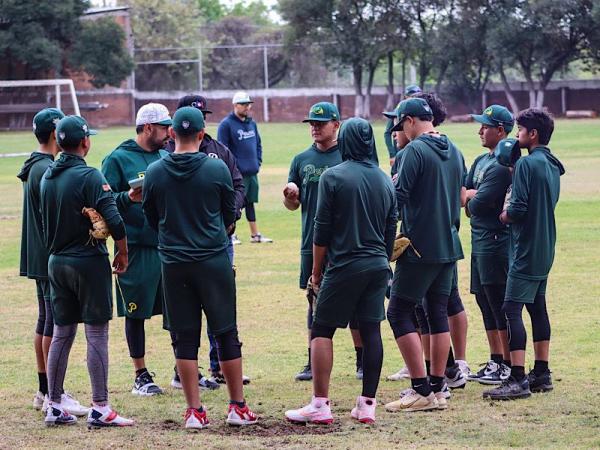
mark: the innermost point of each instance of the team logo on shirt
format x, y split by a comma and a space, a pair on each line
212, 155
245, 134
312, 174
131, 307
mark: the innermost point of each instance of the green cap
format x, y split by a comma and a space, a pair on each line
70, 130
507, 152
411, 107
188, 120
322, 112
392, 114
45, 121
412, 90
495, 116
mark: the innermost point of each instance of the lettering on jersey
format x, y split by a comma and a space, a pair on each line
245, 134
212, 155
312, 174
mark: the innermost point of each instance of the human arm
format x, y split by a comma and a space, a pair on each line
121, 258
390, 227
237, 179
123, 194
149, 202
408, 174
259, 149
228, 203
485, 199
519, 199
389, 141
291, 191
224, 134
323, 231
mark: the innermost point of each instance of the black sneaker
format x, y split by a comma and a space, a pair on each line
359, 373
454, 377
540, 383
305, 374
145, 386
205, 384
510, 389
219, 378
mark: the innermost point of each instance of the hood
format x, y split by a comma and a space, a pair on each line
65, 161
438, 143
355, 140
29, 162
183, 166
131, 145
553, 159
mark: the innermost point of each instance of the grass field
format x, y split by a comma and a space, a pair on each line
271, 317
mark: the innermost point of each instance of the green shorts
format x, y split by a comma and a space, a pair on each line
487, 270
351, 295
251, 188
306, 263
412, 281
43, 289
81, 289
524, 291
194, 287
139, 290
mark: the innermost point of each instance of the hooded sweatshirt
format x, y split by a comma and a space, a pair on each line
127, 162
428, 194
489, 236
67, 187
356, 214
34, 255
189, 199
535, 192
242, 138
215, 149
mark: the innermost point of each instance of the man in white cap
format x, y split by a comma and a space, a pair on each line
139, 290
239, 133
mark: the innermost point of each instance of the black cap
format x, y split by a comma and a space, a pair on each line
195, 101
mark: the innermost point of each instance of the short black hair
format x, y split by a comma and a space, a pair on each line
437, 107
43, 137
69, 148
139, 129
536, 119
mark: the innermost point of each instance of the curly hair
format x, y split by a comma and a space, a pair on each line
437, 107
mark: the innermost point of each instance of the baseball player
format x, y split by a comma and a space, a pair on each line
486, 185
197, 273
390, 143
301, 191
139, 290
530, 213
428, 191
34, 255
79, 269
355, 226
239, 133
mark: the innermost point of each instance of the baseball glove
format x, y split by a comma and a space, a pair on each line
99, 230
401, 243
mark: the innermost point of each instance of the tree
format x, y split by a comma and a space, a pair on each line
106, 38
35, 36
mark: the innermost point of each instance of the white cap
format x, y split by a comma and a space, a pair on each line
241, 97
153, 113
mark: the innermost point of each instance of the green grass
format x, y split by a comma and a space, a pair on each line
271, 316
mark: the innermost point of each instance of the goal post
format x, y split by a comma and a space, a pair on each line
57, 83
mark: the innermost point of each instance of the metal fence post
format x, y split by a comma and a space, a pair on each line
200, 80
266, 96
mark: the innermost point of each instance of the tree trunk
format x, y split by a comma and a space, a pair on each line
359, 98
389, 103
508, 91
539, 101
403, 74
367, 103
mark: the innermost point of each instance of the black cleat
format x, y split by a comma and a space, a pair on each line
510, 389
305, 374
540, 383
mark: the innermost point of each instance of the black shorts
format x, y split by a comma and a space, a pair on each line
193, 287
81, 289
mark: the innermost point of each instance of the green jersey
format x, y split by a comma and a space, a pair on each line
127, 162
489, 236
189, 199
34, 254
389, 141
305, 171
68, 186
535, 192
428, 188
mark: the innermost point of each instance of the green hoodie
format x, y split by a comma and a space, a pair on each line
356, 214
67, 187
535, 192
489, 236
127, 162
189, 199
428, 193
34, 255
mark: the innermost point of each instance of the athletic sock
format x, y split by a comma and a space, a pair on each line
450, 361
428, 367
140, 371
240, 404
497, 358
421, 386
437, 383
518, 372
507, 363
359, 357
43, 379
540, 367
